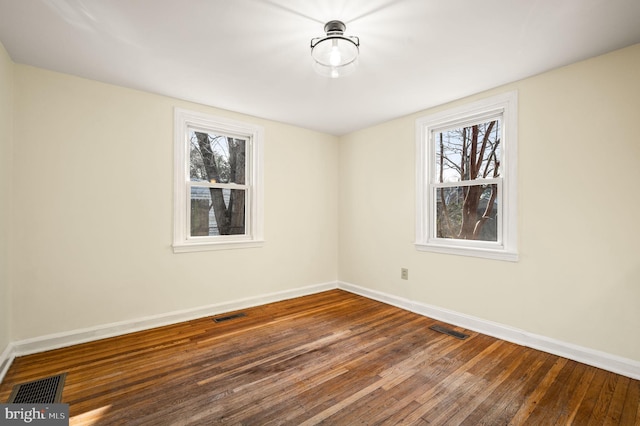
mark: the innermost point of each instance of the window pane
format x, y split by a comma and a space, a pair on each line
217, 211
216, 158
468, 153
467, 212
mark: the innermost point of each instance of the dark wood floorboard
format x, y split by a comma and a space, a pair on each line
333, 358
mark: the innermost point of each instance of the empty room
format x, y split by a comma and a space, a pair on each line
336, 212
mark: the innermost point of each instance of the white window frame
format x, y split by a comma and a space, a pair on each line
184, 120
505, 248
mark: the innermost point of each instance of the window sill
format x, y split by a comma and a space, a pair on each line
209, 246
495, 254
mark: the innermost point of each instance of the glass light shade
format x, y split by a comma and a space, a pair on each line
334, 51
334, 72
335, 54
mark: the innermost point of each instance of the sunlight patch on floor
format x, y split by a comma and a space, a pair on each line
90, 417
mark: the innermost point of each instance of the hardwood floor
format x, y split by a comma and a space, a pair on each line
333, 358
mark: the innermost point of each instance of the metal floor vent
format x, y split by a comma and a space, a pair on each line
42, 391
450, 332
230, 317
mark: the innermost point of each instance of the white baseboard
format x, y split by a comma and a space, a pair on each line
609, 362
6, 358
74, 337
616, 364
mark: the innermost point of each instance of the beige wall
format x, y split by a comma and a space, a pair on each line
93, 192
6, 119
578, 278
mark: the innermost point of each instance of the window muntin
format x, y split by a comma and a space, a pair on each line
466, 200
218, 183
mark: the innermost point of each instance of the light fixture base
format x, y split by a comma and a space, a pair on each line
334, 27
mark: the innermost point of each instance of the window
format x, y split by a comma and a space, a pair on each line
466, 179
218, 183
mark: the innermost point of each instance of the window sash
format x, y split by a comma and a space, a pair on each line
247, 208
433, 216
246, 187
215, 132
476, 120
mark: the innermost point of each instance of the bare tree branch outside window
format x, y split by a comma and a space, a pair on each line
469, 210
216, 159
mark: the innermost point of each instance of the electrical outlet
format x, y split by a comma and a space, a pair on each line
404, 273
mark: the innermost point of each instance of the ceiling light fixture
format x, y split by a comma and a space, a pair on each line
335, 54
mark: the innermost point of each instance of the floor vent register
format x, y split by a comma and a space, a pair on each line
42, 391
450, 332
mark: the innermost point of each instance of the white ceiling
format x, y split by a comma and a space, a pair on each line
252, 56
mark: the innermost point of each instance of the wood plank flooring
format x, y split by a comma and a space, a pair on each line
333, 358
